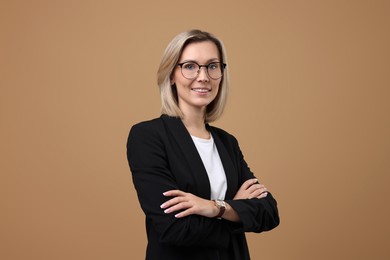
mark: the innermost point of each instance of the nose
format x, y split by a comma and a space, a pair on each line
202, 74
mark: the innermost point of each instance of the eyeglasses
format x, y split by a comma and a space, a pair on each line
191, 69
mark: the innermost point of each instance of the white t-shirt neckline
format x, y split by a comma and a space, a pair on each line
212, 162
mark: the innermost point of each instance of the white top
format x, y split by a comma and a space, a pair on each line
209, 154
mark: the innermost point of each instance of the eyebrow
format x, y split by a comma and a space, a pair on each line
209, 61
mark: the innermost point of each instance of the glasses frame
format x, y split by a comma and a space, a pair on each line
223, 65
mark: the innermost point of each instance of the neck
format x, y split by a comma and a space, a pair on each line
194, 122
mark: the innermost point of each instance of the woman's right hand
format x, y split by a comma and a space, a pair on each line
251, 189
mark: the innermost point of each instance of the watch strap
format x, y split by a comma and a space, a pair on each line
221, 206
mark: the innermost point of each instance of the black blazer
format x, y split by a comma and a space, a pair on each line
162, 157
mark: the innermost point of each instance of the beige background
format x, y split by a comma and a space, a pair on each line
309, 105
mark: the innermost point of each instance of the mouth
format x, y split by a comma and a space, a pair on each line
201, 90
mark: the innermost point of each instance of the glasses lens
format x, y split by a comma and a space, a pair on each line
190, 70
215, 70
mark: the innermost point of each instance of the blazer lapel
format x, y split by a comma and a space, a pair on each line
184, 141
230, 172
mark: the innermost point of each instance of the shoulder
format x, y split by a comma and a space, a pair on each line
148, 124
145, 143
146, 129
154, 128
225, 136
156, 123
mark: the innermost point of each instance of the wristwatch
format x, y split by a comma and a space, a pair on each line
221, 205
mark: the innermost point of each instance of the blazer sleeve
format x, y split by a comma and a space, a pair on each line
256, 215
152, 176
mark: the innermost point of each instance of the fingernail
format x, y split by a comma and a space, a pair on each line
162, 206
255, 180
177, 215
166, 211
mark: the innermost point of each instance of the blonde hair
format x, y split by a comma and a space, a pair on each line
170, 58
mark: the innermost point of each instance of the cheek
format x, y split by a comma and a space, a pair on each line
176, 78
217, 84
181, 82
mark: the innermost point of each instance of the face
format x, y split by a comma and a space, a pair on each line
195, 94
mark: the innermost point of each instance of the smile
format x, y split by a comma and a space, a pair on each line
201, 90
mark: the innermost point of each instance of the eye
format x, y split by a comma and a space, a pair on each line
190, 66
213, 66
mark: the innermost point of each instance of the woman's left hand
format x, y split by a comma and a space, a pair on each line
189, 203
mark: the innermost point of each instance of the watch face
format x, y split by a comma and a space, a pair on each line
220, 204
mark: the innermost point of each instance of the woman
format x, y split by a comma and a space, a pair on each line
196, 190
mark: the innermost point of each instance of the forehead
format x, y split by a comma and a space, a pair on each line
200, 52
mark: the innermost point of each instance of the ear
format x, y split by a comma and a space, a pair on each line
172, 78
